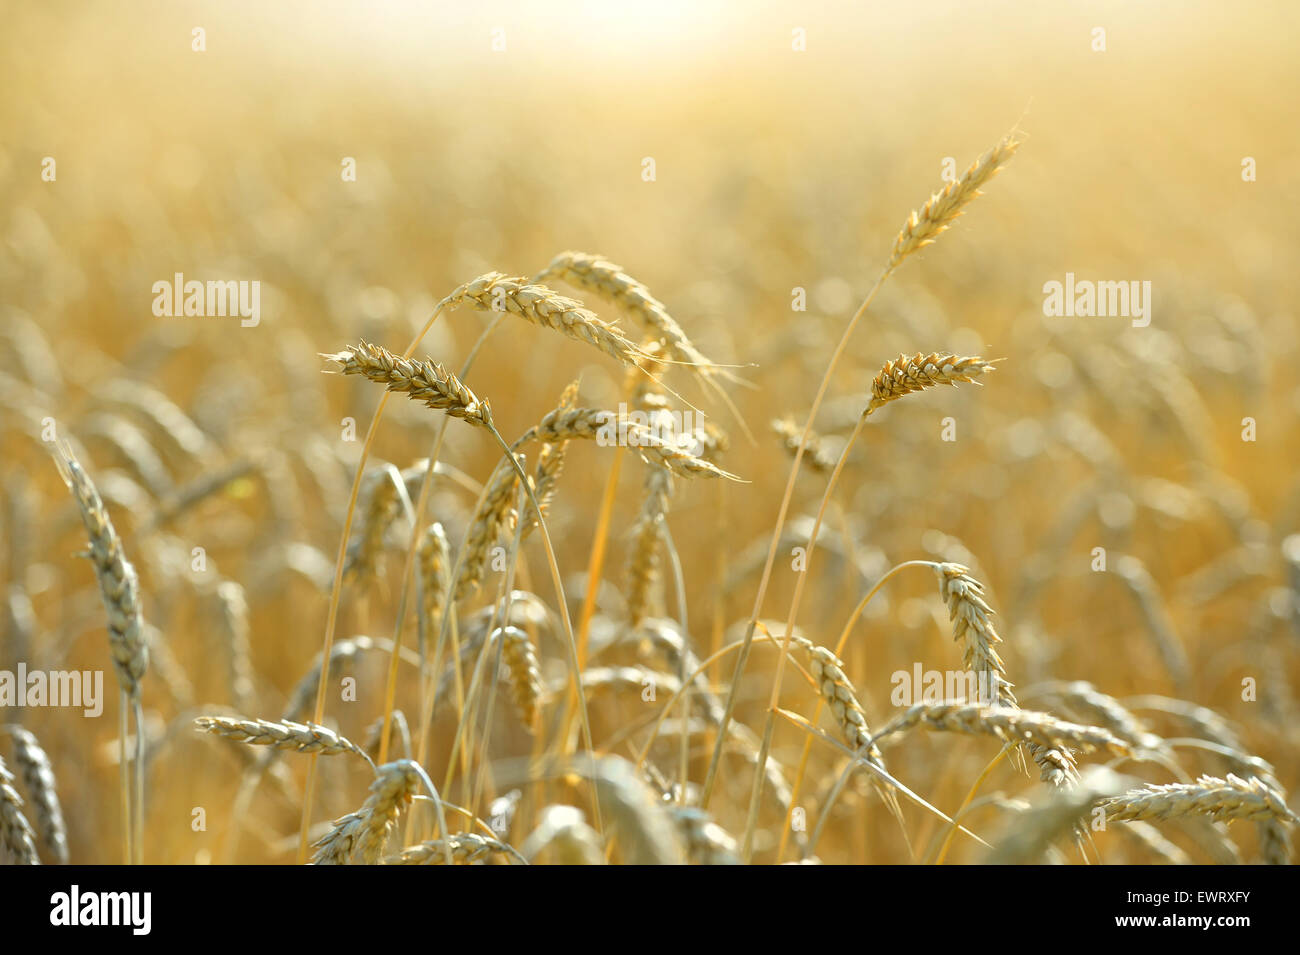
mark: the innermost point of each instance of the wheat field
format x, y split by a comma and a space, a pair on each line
649, 433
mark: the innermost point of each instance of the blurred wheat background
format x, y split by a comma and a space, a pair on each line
775, 170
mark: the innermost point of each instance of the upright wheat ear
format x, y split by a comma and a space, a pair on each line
972, 626
943, 208
118, 584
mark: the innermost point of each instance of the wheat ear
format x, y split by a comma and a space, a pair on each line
819, 458
942, 208
564, 832
362, 834
602, 277
425, 381
38, 780
118, 584
467, 848
905, 376
383, 504
706, 842
523, 671
1221, 799
280, 734
495, 517
434, 556
1006, 723
495, 292
606, 427
17, 838
232, 606
972, 627
550, 465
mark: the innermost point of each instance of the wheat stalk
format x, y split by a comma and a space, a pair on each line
1033, 832
942, 208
